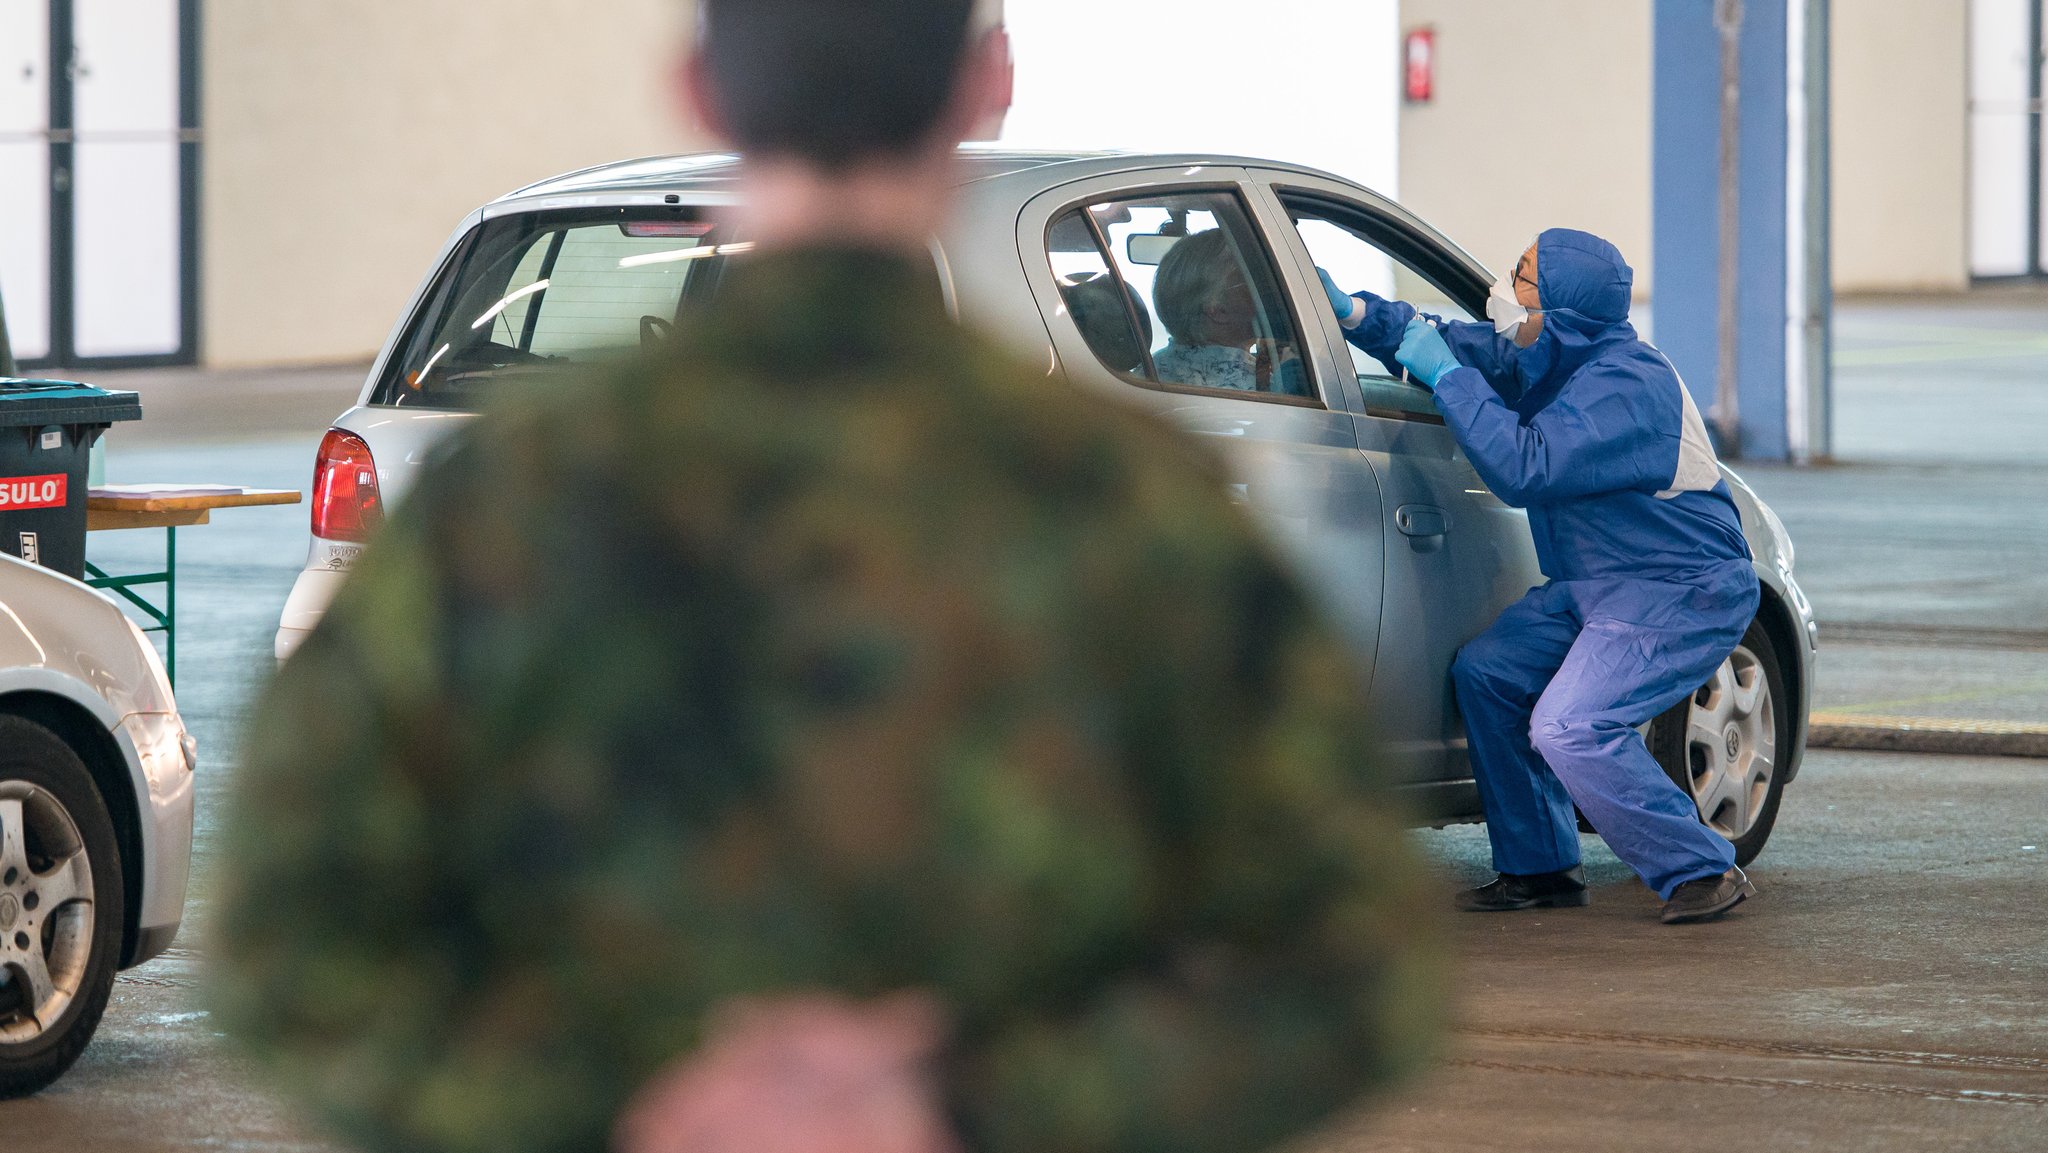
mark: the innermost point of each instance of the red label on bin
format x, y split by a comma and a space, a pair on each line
20, 492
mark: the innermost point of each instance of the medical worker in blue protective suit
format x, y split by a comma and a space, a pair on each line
1564, 411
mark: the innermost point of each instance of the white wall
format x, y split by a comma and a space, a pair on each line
345, 141
1310, 81
346, 138
1541, 119
1901, 140
1543, 116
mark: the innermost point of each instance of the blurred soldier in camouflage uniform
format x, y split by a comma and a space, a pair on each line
833, 652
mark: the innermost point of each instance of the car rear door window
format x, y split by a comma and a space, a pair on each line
1180, 291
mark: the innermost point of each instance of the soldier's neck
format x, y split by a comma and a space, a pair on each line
893, 207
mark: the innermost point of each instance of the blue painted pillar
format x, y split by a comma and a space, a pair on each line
1781, 275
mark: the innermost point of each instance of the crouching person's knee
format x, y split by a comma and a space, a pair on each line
1477, 666
1463, 672
1559, 735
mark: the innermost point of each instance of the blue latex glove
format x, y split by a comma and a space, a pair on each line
1347, 307
1424, 353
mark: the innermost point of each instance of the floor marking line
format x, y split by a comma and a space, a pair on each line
1932, 334
1931, 353
155, 982
2000, 692
1953, 725
1968, 1096
1939, 636
1955, 1062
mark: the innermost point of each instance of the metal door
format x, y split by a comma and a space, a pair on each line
25, 195
2007, 238
98, 180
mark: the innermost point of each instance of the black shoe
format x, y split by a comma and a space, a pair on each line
1507, 893
1707, 898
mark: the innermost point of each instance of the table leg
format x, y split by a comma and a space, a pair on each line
166, 617
171, 604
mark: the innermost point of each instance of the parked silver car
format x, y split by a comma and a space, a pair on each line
1098, 266
96, 774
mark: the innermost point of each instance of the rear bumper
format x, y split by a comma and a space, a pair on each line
313, 592
288, 642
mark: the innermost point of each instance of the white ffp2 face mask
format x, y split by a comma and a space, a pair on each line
1505, 311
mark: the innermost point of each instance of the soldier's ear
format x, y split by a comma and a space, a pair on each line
988, 84
697, 98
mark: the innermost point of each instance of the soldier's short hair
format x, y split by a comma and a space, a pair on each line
833, 82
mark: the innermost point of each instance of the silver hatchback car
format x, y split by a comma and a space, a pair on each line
1185, 285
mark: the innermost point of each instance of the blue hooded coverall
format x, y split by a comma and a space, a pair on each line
1651, 582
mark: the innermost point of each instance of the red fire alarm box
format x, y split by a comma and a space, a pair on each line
1418, 54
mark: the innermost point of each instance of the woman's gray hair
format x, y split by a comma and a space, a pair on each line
1194, 273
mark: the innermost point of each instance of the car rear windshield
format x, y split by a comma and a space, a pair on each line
528, 294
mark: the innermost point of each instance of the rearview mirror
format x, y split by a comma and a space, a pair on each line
1150, 249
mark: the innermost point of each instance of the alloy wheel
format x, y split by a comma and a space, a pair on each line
46, 911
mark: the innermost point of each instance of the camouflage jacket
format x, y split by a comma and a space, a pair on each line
833, 650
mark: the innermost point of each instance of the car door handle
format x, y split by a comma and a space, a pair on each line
1421, 520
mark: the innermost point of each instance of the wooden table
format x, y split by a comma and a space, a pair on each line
169, 507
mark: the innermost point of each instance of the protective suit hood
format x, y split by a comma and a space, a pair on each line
1585, 288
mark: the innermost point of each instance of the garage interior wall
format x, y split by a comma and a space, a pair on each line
1901, 139
1542, 117
343, 144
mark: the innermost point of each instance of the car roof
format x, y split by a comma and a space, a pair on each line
715, 172
1018, 174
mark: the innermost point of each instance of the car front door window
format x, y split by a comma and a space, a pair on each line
1358, 265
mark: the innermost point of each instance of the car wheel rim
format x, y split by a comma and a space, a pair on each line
1731, 745
46, 911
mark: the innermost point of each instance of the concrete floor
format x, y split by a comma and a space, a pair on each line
1889, 991
1885, 992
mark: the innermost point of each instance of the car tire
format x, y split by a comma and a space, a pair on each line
1727, 744
51, 811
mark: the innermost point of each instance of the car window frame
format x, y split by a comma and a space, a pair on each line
1383, 395
1107, 251
1388, 227
1142, 185
410, 333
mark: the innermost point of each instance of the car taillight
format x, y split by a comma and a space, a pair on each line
346, 505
